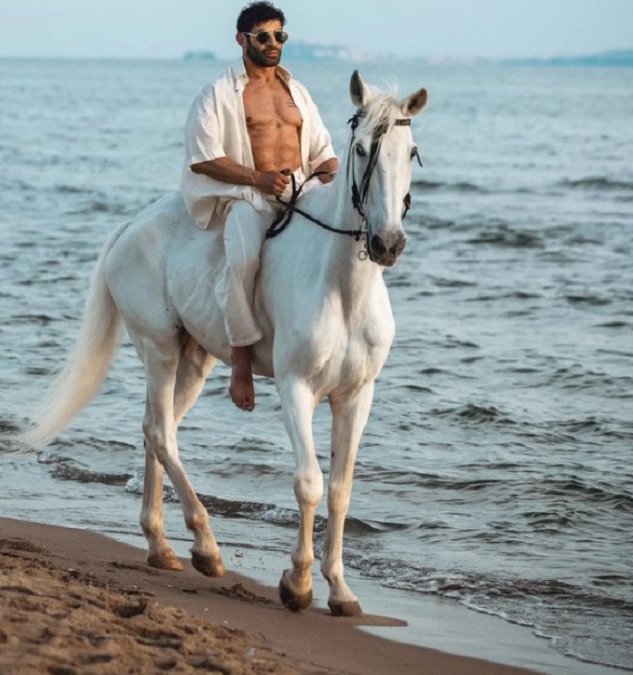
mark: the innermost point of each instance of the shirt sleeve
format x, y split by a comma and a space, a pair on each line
203, 132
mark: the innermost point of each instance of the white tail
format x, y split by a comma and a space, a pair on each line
86, 366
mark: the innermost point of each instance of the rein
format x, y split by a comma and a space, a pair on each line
283, 219
359, 195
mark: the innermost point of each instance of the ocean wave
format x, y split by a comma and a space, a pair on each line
40, 319
598, 183
458, 186
596, 427
615, 496
97, 206
616, 324
52, 457
250, 468
64, 189
507, 237
504, 295
577, 378
444, 282
430, 481
9, 426
10, 186
434, 223
555, 610
476, 414
591, 299
69, 471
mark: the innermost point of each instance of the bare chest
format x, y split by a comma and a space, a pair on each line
270, 105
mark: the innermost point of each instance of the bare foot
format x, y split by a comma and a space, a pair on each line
242, 390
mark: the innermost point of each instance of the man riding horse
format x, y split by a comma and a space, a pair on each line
246, 133
321, 303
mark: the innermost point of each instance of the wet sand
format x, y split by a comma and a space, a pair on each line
72, 601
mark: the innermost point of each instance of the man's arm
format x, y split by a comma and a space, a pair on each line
226, 170
330, 166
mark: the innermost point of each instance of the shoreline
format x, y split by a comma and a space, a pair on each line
113, 575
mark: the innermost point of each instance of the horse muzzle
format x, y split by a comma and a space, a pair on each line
384, 249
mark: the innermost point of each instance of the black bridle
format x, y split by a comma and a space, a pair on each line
359, 194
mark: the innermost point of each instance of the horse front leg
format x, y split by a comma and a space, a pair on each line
298, 403
349, 416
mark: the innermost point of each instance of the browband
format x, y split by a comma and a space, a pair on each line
402, 122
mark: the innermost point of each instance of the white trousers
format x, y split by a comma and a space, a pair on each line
244, 235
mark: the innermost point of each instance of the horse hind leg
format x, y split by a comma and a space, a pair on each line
162, 372
193, 367
159, 553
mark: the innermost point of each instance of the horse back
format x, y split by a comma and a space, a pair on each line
162, 272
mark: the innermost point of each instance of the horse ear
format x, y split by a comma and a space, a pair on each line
358, 90
413, 104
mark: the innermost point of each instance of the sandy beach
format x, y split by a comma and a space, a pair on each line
72, 601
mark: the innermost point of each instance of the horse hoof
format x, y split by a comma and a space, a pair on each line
292, 601
349, 609
165, 560
205, 564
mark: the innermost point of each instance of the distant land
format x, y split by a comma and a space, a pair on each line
298, 51
200, 56
320, 51
617, 57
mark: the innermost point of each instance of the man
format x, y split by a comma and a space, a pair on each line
245, 134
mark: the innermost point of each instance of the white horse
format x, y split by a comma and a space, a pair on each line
327, 323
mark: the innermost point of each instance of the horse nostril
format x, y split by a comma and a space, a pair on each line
398, 247
378, 245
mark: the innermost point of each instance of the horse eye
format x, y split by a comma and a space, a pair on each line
360, 151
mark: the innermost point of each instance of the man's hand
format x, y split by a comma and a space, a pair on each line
273, 182
330, 167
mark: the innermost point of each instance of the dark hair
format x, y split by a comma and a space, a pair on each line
258, 12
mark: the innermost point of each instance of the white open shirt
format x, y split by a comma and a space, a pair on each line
216, 127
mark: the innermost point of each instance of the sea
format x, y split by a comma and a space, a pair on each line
496, 469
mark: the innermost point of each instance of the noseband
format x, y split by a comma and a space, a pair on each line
359, 195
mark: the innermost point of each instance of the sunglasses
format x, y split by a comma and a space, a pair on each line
266, 36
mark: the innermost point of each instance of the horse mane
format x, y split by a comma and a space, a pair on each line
383, 109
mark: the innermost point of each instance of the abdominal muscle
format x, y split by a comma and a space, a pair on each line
274, 127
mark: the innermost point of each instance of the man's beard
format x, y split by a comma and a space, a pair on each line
260, 58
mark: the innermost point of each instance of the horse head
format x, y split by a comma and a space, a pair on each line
379, 165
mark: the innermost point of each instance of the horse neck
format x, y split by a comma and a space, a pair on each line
345, 258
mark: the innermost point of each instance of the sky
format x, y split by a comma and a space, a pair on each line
459, 29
